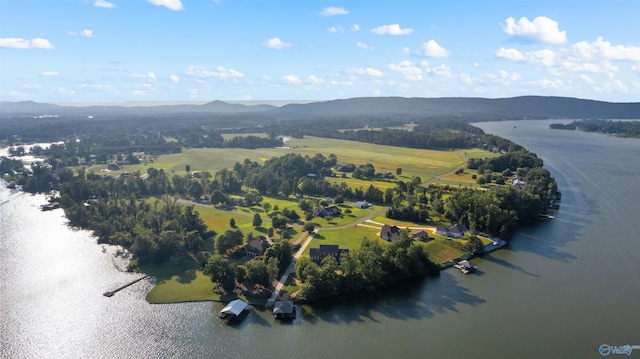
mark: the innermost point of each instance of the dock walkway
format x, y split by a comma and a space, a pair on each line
111, 293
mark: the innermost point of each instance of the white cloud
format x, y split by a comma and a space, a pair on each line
333, 11
432, 49
292, 79
315, 80
219, 73
335, 29
104, 4
407, 69
150, 76
362, 45
175, 79
543, 57
49, 73
355, 28
276, 43
83, 33
175, 5
442, 70
368, 72
20, 43
509, 54
541, 29
604, 50
393, 29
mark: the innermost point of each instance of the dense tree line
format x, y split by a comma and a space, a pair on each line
618, 128
367, 268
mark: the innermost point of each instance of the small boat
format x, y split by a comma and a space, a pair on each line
50, 206
466, 267
236, 311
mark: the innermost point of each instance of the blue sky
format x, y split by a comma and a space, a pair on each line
202, 50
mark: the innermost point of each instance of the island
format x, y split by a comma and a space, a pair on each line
286, 209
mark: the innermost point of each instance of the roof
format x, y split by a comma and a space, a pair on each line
329, 249
234, 307
457, 228
283, 307
420, 235
389, 231
258, 244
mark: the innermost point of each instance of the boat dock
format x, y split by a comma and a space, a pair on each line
111, 293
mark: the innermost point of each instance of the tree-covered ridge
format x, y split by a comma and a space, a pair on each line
609, 127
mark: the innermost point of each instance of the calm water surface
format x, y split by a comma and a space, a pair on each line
563, 288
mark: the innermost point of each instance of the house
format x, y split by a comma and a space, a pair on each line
457, 230
113, 167
362, 204
350, 167
442, 230
257, 246
318, 254
389, 233
421, 236
284, 310
332, 211
315, 176
517, 183
235, 310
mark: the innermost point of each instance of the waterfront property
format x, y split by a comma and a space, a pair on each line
236, 310
284, 310
466, 267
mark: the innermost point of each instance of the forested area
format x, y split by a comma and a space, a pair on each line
367, 268
609, 127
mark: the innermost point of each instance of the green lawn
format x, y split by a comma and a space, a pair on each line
439, 251
347, 238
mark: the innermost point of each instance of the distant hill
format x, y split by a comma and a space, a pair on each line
524, 106
35, 108
527, 106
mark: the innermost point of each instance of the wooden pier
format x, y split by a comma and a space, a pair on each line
111, 293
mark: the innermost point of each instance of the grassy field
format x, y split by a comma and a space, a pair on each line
346, 238
414, 162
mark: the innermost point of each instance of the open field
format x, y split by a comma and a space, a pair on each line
414, 162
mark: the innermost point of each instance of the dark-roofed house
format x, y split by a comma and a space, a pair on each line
318, 254
349, 167
257, 246
389, 233
442, 230
457, 230
284, 310
421, 236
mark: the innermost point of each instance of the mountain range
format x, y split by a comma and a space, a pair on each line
523, 106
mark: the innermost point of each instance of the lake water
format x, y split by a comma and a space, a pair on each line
562, 288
